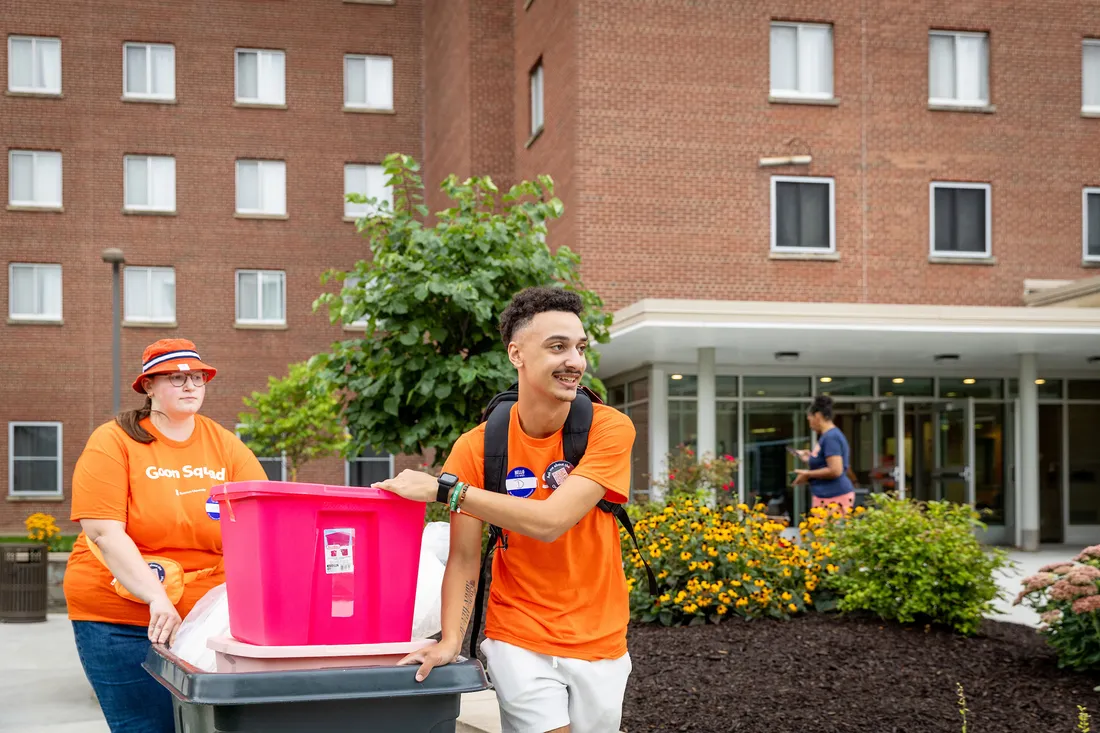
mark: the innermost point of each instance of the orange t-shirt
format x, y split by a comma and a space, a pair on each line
159, 490
565, 598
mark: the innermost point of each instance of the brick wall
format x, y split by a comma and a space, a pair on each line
64, 372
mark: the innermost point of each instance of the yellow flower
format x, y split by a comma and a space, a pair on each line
665, 598
742, 602
731, 556
655, 553
722, 610
830, 568
811, 585
735, 583
806, 598
685, 556
662, 575
693, 566
792, 607
746, 577
786, 572
690, 608
759, 583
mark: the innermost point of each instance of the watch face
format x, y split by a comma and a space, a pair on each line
448, 479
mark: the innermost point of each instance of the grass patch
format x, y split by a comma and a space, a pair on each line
62, 543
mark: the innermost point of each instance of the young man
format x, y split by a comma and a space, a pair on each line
558, 605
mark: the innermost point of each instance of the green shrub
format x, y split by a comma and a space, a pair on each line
1067, 597
907, 561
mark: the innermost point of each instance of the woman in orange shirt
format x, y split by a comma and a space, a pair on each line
151, 543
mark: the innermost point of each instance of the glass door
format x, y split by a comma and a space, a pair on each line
952, 475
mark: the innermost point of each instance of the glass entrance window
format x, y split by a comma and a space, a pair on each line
991, 389
776, 386
1084, 463
952, 469
857, 423
905, 386
727, 429
990, 461
1051, 466
770, 429
683, 424
846, 386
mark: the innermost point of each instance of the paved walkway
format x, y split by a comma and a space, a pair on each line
43, 690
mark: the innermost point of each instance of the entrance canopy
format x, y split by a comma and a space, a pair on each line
842, 335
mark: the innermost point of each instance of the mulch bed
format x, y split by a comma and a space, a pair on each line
826, 673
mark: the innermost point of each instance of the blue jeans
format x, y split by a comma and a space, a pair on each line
131, 700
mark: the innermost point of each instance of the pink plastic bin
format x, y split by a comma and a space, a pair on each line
312, 564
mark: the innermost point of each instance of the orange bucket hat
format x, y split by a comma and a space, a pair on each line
171, 355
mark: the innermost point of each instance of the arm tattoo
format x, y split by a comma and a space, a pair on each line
467, 608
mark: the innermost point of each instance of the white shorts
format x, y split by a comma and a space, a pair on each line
538, 693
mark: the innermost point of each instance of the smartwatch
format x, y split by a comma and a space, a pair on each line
447, 482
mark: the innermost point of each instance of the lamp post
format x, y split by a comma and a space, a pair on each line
114, 256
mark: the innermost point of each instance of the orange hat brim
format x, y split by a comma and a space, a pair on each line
168, 367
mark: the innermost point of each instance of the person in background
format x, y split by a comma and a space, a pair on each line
828, 474
150, 545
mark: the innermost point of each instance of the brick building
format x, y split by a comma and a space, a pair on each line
894, 203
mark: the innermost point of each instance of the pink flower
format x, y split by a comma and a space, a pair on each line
1088, 552
1038, 582
1083, 575
1052, 616
727, 457
1061, 568
1089, 604
1064, 591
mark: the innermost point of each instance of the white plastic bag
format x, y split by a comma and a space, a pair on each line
437, 540
209, 618
427, 613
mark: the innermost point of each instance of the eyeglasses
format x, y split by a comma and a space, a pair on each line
178, 379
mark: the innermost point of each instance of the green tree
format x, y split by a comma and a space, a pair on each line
299, 417
431, 356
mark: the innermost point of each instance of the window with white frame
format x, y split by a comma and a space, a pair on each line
274, 466
351, 283
34, 458
961, 221
34, 65
261, 297
261, 187
958, 68
803, 214
149, 183
149, 71
802, 61
1090, 217
368, 82
369, 468
34, 178
369, 180
34, 292
537, 98
149, 294
261, 77
1090, 75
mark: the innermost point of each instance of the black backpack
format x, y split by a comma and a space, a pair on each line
574, 438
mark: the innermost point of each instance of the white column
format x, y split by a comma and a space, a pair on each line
658, 428
1029, 454
707, 412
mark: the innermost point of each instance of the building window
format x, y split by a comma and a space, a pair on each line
150, 183
34, 458
369, 180
261, 187
369, 468
34, 292
34, 65
1090, 75
261, 297
150, 294
803, 214
35, 179
368, 82
960, 220
274, 466
149, 71
261, 77
1091, 224
537, 97
802, 61
958, 68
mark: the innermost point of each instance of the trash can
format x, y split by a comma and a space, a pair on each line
374, 699
24, 587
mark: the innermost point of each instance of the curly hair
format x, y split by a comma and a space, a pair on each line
528, 303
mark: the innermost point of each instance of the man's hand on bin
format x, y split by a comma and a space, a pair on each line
430, 657
414, 485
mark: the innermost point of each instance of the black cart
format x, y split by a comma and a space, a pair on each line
374, 699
